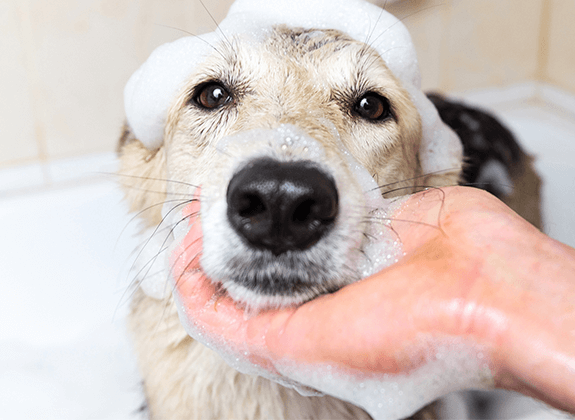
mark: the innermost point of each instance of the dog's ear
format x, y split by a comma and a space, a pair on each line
126, 137
142, 175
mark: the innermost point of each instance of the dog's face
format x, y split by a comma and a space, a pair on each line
287, 137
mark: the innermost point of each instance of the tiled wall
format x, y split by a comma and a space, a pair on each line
64, 63
474, 44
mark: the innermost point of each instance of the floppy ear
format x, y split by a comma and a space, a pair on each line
142, 176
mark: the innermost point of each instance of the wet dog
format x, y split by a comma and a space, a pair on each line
285, 137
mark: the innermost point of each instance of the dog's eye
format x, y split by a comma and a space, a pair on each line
373, 106
212, 96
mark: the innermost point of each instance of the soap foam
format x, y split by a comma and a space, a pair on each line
451, 364
152, 88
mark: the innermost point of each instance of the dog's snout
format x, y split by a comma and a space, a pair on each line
282, 206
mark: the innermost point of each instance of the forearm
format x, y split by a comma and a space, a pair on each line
537, 356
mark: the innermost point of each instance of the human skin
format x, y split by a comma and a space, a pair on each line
472, 269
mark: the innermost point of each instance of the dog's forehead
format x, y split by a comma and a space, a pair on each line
326, 57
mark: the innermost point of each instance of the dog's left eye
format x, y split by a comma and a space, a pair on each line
372, 106
212, 96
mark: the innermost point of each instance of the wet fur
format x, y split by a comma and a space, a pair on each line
182, 378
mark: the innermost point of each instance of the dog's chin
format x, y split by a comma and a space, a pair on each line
256, 300
267, 288
261, 280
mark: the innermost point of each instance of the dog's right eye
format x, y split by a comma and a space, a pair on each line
212, 95
374, 107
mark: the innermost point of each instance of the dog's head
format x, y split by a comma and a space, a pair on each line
293, 134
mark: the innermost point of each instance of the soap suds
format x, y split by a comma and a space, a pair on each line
152, 88
452, 364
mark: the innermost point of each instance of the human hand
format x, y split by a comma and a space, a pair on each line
480, 298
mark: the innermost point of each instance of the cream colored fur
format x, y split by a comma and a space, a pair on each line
294, 77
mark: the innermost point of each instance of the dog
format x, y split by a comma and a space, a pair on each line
286, 136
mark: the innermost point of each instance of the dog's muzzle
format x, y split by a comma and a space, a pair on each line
281, 206
286, 218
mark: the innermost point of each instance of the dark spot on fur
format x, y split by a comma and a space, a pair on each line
485, 142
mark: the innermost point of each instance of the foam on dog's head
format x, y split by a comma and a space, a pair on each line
154, 86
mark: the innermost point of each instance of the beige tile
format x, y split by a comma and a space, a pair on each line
492, 42
86, 52
17, 120
560, 68
425, 20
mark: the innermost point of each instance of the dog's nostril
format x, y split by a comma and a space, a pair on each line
303, 211
282, 206
250, 205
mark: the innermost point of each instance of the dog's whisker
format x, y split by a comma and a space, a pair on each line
217, 25
441, 171
165, 193
393, 219
413, 188
168, 302
146, 209
180, 255
178, 29
163, 247
148, 178
403, 18
168, 213
137, 278
372, 30
194, 35
133, 289
192, 261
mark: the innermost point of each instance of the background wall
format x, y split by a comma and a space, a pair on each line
64, 63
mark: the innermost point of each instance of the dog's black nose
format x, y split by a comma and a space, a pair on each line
282, 206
